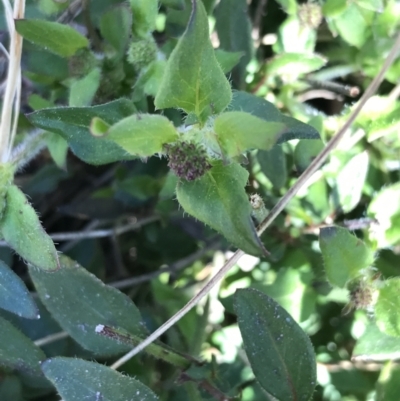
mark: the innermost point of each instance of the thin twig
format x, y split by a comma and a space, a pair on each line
173, 268
313, 167
80, 235
51, 338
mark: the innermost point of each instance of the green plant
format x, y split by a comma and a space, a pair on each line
193, 122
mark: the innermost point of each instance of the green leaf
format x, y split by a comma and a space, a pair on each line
373, 5
14, 296
83, 90
227, 60
142, 134
290, 6
79, 302
259, 107
273, 165
144, 16
305, 152
238, 132
385, 207
280, 353
18, 352
73, 123
333, 8
21, 229
295, 64
193, 79
115, 27
350, 181
345, 256
391, 386
57, 38
375, 346
58, 148
352, 26
78, 380
219, 200
234, 33
387, 307
6, 178
175, 4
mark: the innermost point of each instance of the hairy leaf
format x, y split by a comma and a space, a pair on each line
79, 302
55, 37
14, 296
387, 307
73, 123
280, 353
345, 256
219, 200
142, 134
77, 380
21, 228
193, 79
238, 132
18, 352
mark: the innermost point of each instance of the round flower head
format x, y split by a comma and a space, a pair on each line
187, 160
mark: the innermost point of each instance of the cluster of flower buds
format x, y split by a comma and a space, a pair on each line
187, 160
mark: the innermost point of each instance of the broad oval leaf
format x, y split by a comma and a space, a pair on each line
18, 352
78, 380
273, 165
305, 152
14, 296
21, 229
261, 108
280, 353
387, 307
55, 37
142, 134
79, 302
193, 79
218, 199
345, 255
73, 123
376, 346
238, 132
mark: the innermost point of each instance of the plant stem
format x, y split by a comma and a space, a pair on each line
8, 126
307, 174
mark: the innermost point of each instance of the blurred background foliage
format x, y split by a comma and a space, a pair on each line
312, 60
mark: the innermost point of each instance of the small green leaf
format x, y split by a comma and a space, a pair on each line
78, 380
18, 352
14, 296
234, 32
99, 127
219, 200
305, 152
82, 91
144, 16
280, 353
79, 302
350, 181
142, 134
387, 307
352, 26
57, 38
345, 256
21, 228
73, 123
333, 8
375, 346
227, 60
259, 107
6, 177
115, 27
193, 79
295, 64
58, 148
238, 132
273, 165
